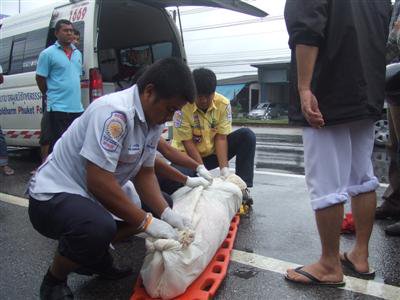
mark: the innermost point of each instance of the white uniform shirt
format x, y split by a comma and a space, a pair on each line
112, 133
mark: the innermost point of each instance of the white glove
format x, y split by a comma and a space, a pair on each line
197, 181
203, 172
160, 229
175, 220
224, 172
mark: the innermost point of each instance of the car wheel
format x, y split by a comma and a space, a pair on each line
381, 130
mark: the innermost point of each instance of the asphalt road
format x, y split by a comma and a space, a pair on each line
278, 233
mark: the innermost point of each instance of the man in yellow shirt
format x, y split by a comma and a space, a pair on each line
204, 131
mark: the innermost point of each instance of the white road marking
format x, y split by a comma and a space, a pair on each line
366, 287
384, 185
14, 200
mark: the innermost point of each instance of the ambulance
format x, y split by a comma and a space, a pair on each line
118, 37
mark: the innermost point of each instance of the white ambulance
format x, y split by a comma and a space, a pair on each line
118, 37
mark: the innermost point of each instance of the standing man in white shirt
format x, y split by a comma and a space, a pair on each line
86, 180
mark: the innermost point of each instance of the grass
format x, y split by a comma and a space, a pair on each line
245, 121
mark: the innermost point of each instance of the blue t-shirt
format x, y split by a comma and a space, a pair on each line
63, 78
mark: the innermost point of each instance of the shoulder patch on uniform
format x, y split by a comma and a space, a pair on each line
178, 118
229, 113
113, 131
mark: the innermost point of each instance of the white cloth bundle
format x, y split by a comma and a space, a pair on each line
169, 268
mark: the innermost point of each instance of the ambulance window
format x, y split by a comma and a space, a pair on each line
35, 43
5, 51
17, 56
80, 26
162, 50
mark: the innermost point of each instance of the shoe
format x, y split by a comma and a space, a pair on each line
313, 281
247, 199
55, 292
393, 230
348, 264
111, 273
384, 212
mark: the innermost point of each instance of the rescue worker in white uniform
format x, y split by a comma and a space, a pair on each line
87, 177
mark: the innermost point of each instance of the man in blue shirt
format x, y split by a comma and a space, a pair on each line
58, 75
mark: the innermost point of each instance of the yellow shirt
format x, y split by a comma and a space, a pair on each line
191, 123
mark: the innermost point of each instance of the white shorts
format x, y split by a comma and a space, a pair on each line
338, 162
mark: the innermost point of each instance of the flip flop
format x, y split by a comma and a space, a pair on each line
313, 280
347, 263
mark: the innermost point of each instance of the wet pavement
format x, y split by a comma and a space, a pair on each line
280, 231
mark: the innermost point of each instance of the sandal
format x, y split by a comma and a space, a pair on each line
313, 280
8, 171
347, 263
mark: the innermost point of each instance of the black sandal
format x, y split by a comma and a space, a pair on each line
313, 280
348, 264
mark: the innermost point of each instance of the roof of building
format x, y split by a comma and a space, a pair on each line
238, 80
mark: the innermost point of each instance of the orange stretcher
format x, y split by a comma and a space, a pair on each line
206, 285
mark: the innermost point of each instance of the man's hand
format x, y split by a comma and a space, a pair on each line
396, 26
197, 181
160, 229
203, 172
224, 172
175, 220
310, 109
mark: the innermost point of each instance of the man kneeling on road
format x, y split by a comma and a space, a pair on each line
203, 131
86, 179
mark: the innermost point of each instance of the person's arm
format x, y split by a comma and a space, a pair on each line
306, 22
148, 189
164, 170
306, 57
103, 185
1, 78
175, 156
42, 85
221, 150
192, 151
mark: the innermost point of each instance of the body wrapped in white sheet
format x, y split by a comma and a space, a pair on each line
169, 268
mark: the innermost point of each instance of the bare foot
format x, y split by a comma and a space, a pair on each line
322, 273
360, 262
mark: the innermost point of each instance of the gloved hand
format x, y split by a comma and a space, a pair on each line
224, 172
160, 229
197, 181
175, 220
203, 172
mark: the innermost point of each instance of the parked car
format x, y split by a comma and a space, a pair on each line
265, 111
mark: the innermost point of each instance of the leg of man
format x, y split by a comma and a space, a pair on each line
327, 165
391, 205
59, 123
84, 230
242, 144
4, 156
362, 186
45, 135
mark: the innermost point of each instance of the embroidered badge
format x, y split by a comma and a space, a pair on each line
113, 131
178, 118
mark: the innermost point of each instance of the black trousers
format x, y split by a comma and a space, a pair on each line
59, 123
241, 143
83, 228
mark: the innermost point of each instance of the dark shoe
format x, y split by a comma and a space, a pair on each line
247, 199
112, 273
384, 212
55, 292
393, 230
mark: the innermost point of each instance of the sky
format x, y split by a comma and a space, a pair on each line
224, 41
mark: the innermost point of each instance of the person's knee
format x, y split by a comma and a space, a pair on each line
99, 231
247, 136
